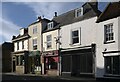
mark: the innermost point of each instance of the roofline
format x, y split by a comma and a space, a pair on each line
51, 30
38, 21
103, 12
20, 38
69, 11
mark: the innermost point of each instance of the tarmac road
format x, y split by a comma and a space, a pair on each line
13, 77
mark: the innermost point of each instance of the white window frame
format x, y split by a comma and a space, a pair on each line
79, 12
50, 25
79, 36
18, 46
108, 34
23, 46
48, 42
34, 44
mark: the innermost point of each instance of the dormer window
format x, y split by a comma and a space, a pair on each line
50, 25
79, 12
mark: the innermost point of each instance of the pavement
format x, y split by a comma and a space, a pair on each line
36, 77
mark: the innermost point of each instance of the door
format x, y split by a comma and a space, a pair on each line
75, 65
14, 67
82, 63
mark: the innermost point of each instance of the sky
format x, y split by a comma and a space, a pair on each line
16, 15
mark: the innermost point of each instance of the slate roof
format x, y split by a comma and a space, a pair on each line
111, 11
44, 19
89, 11
20, 36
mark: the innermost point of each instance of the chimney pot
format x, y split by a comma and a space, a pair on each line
55, 14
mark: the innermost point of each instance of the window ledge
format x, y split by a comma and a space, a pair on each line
109, 42
76, 44
49, 48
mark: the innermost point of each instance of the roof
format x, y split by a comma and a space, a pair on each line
7, 43
25, 35
69, 17
44, 19
112, 10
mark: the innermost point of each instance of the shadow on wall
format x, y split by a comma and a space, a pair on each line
99, 72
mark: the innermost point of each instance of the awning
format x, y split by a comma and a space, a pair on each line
34, 53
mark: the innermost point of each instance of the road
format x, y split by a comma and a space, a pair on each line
34, 78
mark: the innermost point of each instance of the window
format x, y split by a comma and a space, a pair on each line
75, 36
20, 60
34, 44
112, 65
79, 12
49, 41
17, 45
22, 44
50, 25
109, 35
35, 30
17, 60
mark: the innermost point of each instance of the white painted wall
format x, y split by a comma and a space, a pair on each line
88, 32
119, 33
53, 34
100, 47
92, 32
20, 46
21, 31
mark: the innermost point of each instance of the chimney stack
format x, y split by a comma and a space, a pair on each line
94, 3
13, 37
55, 14
39, 18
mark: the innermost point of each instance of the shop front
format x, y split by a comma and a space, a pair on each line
51, 63
20, 62
78, 62
35, 62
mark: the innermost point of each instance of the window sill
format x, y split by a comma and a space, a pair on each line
76, 44
49, 48
109, 42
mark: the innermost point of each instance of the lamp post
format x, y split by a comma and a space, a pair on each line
57, 40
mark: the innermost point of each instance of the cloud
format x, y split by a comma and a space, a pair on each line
8, 30
47, 9
44, 0
58, 0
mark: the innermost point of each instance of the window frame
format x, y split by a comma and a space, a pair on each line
17, 45
112, 65
48, 41
23, 45
79, 36
35, 30
50, 25
108, 33
34, 44
79, 12
19, 60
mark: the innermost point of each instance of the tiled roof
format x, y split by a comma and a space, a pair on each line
111, 11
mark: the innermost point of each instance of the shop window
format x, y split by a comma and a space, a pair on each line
112, 65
